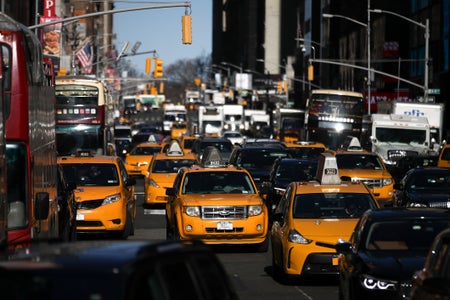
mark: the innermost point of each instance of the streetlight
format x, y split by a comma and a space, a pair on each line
427, 42
329, 16
234, 66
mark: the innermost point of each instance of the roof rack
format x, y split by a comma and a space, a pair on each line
174, 149
211, 158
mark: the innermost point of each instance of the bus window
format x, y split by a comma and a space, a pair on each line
16, 174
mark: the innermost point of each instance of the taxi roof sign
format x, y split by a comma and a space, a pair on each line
327, 169
174, 149
211, 158
354, 145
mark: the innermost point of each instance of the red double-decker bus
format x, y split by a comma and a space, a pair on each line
31, 168
3, 200
84, 116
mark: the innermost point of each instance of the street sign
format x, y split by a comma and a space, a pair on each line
434, 91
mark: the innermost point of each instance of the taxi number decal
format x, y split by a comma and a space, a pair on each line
225, 226
80, 217
330, 171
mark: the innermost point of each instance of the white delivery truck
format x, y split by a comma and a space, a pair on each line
173, 113
210, 120
395, 136
233, 117
434, 112
248, 113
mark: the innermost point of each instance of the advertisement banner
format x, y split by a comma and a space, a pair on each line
50, 36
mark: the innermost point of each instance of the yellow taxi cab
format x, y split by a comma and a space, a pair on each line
187, 141
444, 157
218, 204
104, 195
324, 211
305, 149
178, 129
137, 161
356, 164
162, 171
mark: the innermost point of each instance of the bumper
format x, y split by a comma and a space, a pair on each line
110, 217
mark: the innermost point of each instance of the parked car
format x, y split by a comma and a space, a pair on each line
324, 210
386, 248
115, 270
433, 280
424, 187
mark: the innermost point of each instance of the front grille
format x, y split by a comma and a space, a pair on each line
370, 182
396, 155
89, 224
224, 212
90, 204
215, 230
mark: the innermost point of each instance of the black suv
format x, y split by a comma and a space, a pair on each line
258, 160
115, 270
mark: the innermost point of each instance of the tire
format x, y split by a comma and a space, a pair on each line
128, 228
264, 246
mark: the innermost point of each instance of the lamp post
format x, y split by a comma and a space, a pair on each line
234, 66
329, 16
426, 27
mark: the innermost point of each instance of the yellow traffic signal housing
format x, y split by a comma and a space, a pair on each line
186, 29
161, 87
158, 72
148, 65
279, 86
310, 73
153, 90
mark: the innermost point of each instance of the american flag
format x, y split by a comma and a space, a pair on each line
84, 56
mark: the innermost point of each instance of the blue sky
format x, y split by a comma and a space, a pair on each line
160, 30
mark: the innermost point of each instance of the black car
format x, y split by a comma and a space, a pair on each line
424, 187
258, 160
407, 163
284, 171
222, 144
115, 270
386, 248
433, 280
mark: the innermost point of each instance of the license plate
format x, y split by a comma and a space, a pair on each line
80, 217
225, 226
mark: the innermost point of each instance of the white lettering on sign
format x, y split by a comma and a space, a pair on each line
49, 8
415, 113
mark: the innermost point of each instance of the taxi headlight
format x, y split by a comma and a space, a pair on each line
372, 283
111, 199
255, 210
192, 211
152, 183
387, 181
295, 237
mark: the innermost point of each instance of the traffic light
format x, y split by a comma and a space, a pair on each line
310, 73
158, 72
186, 29
279, 86
148, 65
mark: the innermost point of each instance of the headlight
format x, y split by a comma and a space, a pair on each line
255, 210
372, 283
192, 211
416, 204
295, 237
387, 181
152, 183
111, 199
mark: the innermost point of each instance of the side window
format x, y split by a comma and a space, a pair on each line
177, 181
123, 171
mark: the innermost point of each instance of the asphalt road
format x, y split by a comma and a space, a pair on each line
251, 272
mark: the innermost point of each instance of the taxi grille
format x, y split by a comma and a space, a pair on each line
370, 182
224, 212
91, 204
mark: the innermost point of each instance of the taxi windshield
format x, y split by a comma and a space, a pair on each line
218, 183
145, 150
332, 205
171, 165
92, 174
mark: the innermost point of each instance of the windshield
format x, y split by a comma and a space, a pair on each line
401, 135
217, 183
337, 105
145, 150
436, 183
92, 174
332, 205
292, 171
259, 159
76, 94
356, 161
403, 235
171, 165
